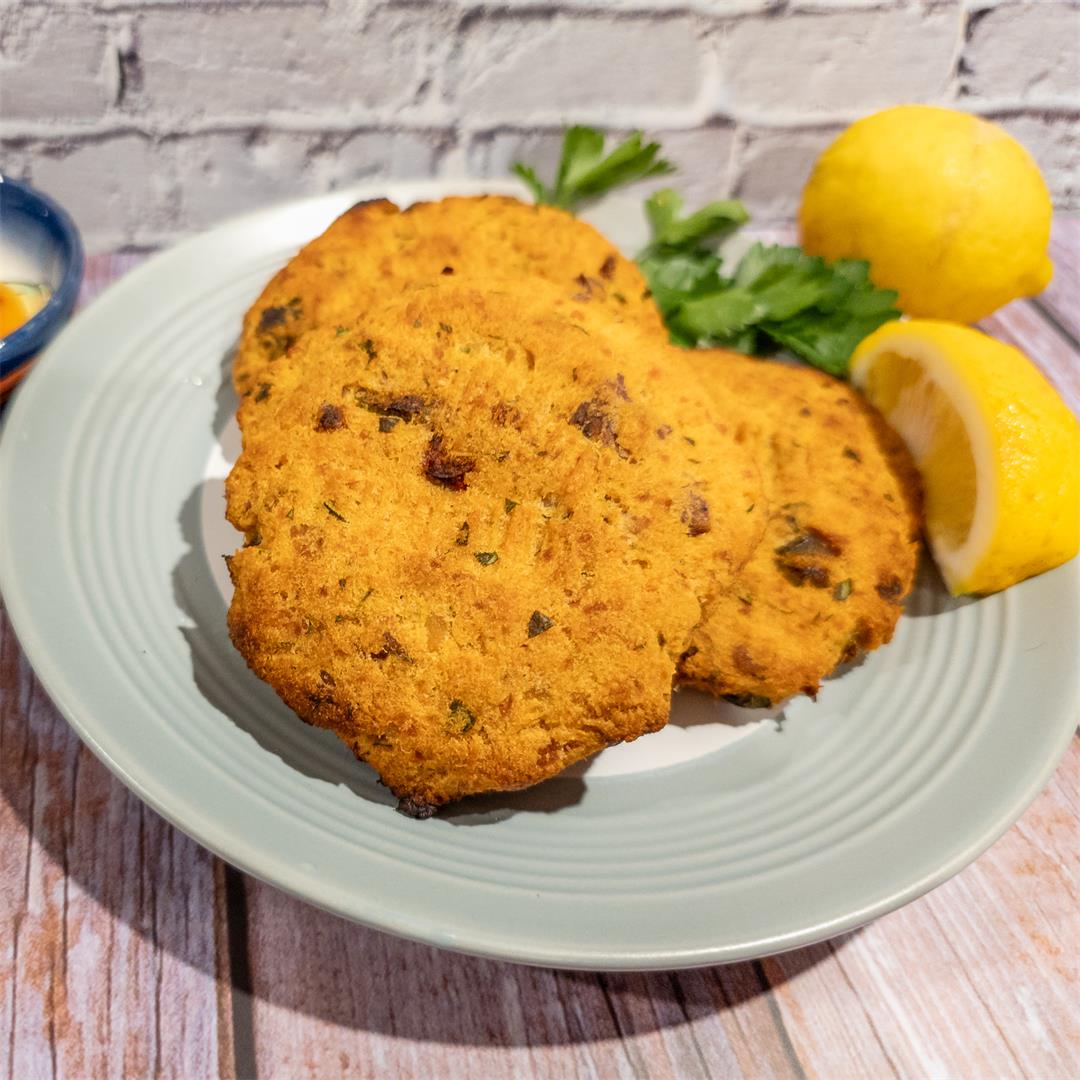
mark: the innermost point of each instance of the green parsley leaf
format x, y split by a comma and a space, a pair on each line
712, 222
532, 181
716, 317
678, 264
675, 278
585, 173
782, 280
826, 340
778, 297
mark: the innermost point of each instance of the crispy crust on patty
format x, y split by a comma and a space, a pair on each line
475, 550
840, 550
375, 249
823, 534
760, 426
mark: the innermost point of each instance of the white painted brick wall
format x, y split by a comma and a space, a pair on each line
204, 66
549, 67
825, 63
1024, 52
151, 118
55, 63
774, 163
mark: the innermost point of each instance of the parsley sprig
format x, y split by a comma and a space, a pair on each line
585, 173
777, 297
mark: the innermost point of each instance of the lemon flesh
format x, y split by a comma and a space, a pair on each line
950, 210
997, 448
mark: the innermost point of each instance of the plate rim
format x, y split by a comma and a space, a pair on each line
261, 863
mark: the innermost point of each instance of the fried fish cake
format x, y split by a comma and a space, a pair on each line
375, 249
473, 549
840, 550
725, 470
823, 540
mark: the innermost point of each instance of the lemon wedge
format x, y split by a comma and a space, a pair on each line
998, 450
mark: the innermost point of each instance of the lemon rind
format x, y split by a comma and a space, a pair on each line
956, 563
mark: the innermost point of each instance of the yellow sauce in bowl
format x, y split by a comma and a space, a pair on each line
19, 302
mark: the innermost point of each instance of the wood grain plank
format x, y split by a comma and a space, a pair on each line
745, 1007
979, 978
1013, 922
669, 1024
715, 1031
335, 999
107, 962
831, 1022
1061, 299
903, 969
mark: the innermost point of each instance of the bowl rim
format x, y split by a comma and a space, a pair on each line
24, 342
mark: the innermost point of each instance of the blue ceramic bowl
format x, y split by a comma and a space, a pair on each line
38, 242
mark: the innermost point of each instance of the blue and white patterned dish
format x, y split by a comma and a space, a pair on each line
38, 243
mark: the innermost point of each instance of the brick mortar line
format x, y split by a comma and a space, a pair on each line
476, 12
612, 9
708, 26
468, 13
17, 132
133, 7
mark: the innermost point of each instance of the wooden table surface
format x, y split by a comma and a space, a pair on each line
126, 949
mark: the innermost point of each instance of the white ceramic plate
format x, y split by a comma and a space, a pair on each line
729, 835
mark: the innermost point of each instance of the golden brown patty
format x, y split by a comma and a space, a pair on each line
476, 550
840, 550
823, 540
375, 249
758, 434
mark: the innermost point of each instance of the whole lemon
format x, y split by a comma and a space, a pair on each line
949, 210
